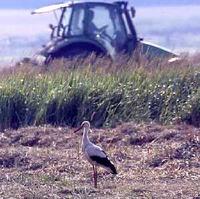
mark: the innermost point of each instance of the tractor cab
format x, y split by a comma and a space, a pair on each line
90, 27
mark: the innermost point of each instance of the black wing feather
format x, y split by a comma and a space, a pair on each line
104, 162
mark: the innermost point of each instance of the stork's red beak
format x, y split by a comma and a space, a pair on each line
78, 129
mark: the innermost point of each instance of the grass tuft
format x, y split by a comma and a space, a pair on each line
66, 94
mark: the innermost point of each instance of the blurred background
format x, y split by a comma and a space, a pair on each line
173, 24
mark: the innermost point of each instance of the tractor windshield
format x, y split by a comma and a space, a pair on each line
94, 20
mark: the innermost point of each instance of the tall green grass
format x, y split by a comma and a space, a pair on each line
107, 96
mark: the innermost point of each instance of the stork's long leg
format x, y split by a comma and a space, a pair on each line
94, 174
95, 182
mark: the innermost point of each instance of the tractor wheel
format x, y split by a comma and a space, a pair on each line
74, 53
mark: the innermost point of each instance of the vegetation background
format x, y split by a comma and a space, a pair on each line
70, 92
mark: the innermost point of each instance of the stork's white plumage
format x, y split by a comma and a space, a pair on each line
95, 154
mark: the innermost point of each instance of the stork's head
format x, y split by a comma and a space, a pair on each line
85, 125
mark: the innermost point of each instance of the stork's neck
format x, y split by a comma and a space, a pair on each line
85, 140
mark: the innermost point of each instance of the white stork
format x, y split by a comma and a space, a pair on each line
94, 154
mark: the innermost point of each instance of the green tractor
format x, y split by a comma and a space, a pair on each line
104, 29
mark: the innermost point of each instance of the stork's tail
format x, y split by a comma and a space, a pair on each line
112, 168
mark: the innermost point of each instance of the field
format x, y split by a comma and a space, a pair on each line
145, 115
153, 161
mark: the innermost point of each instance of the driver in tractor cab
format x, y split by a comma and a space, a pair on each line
91, 27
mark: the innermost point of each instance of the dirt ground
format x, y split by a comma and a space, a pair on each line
152, 161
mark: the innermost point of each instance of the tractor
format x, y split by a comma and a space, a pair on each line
98, 27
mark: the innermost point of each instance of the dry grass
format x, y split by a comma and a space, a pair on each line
152, 161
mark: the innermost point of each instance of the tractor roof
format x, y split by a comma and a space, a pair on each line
54, 7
